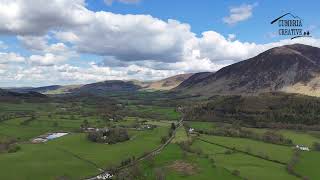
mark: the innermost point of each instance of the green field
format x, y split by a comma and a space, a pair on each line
250, 167
173, 155
58, 157
75, 157
270, 151
308, 165
180, 135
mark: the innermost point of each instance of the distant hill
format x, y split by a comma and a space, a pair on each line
107, 86
291, 68
168, 83
10, 94
43, 89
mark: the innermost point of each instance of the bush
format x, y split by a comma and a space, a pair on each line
13, 148
275, 138
316, 146
236, 172
164, 139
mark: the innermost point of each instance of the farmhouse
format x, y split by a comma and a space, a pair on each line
302, 148
105, 176
39, 140
191, 130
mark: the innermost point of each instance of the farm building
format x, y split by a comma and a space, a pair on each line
302, 148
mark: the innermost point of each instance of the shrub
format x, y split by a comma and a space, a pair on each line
316, 146
13, 148
236, 172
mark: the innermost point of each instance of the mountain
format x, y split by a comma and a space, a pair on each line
43, 89
107, 86
291, 68
168, 83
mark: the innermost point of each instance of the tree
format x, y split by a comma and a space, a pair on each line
85, 124
55, 124
173, 126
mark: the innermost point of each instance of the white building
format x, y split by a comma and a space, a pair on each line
302, 148
105, 176
191, 130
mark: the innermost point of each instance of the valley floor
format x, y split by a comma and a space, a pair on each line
189, 154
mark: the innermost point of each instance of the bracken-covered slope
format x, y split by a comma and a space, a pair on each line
168, 83
291, 68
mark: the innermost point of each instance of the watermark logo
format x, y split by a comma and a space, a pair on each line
291, 25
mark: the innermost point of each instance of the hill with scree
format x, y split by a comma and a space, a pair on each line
291, 68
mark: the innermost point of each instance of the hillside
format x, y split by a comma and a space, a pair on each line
272, 110
107, 86
10, 94
291, 68
168, 83
43, 89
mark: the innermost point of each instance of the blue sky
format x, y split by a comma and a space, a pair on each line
46, 42
205, 15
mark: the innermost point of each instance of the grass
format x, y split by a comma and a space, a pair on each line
180, 136
49, 160
41, 161
272, 151
172, 154
308, 165
156, 112
144, 141
300, 137
249, 167
22, 133
201, 125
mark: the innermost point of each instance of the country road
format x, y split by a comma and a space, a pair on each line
152, 153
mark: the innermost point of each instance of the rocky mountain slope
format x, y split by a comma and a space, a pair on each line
168, 83
291, 68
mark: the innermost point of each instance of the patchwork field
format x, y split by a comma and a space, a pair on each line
174, 164
196, 155
248, 166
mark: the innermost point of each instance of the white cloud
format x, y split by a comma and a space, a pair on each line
109, 2
239, 13
52, 54
133, 37
67, 36
11, 57
34, 42
47, 59
36, 17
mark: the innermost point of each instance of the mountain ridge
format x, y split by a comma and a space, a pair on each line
290, 68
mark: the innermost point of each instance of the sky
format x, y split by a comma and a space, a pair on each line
47, 42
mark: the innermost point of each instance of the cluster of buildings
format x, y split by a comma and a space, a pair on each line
105, 176
302, 148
